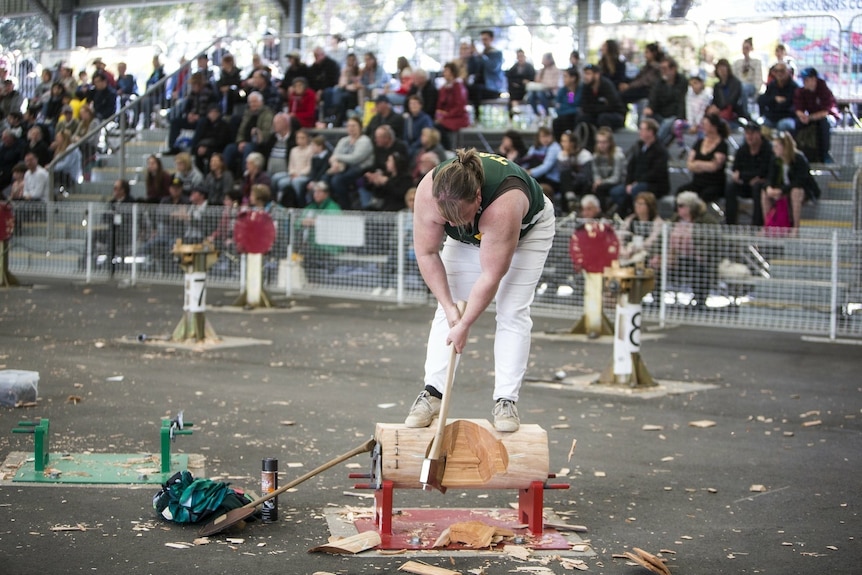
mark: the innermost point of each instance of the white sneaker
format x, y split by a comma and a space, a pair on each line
424, 410
506, 416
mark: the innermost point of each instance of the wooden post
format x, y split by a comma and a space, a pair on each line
477, 455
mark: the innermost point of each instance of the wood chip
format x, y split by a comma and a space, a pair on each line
657, 564
178, 545
201, 541
518, 552
703, 423
474, 534
812, 423
74, 399
757, 488
235, 540
350, 545
572, 449
425, 569
649, 427
566, 527
77, 527
600, 474
561, 426
442, 540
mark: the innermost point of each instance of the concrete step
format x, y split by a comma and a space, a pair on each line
805, 292
110, 174
831, 210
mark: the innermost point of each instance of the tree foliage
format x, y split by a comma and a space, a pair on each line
27, 34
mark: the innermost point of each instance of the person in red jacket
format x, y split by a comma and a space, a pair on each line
302, 103
451, 114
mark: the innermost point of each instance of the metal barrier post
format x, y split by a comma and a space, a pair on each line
399, 237
88, 250
662, 307
833, 300
134, 244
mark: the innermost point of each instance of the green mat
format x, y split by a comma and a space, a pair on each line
104, 468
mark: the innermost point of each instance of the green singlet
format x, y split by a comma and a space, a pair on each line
500, 175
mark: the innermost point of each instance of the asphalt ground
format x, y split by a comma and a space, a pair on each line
787, 414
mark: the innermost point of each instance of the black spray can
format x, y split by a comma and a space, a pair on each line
268, 484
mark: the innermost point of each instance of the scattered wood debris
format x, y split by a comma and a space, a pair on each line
702, 423
811, 423
572, 449
757, 488
74, 399
650, 427
646, 559
179, 545
76, 527
420, 568
518, 552
350, 545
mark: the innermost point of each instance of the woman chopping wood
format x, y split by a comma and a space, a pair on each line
498, 228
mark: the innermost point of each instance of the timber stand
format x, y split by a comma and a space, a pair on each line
477, 457
104, 468
593, 246
630, 284
195, 260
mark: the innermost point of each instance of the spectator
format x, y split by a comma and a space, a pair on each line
102, 97
781, 56
385, 143
37, 145
490, 81
195, 106
276, 149
12, 150
321, 153
296, 68
518, 76
53, 105
35, 180
315, 256
424, 87
815, 106
789, 177
707, 159
574, 164
158, 181
127, 90
727, 95
541, 161
67, 78
697, 100
451, 114
591, 208
611, 64
415, 122
568, 102
168, 227
153, 100
222, 236
84, 85
640, 233
426, 162
776, 104
647, 77
609, 164
749, 174
102, 68
255, 128
750, 73
302, 104
211, 136
385, 116
289, 183
188, 173
261, 81
512, 146
372, 78
11, 99
228, 84
385, 189
254, 175
15, 189
43, 90
692, 258
15, 124
646, 170
323, 73
543, 91
337, 100
198, 226
600, 101
667, 99
353, 155
219, 180
68, 168
203, 68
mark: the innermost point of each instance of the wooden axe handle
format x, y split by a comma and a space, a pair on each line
437, 443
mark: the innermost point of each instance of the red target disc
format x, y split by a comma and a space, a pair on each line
594, 247
254, 232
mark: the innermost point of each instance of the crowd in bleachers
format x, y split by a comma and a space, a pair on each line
233, 129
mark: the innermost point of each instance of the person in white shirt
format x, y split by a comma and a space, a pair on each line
35, 180
750, 72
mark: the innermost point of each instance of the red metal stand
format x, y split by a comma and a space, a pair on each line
383, 507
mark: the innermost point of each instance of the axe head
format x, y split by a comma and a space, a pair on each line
431, 474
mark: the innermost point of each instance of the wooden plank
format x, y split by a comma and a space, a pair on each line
477, 455
424, 569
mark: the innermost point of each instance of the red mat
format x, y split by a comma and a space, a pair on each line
420, 528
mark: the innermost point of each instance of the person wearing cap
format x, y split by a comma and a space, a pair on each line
198, 225
66, 120
776, 103
296, 68
212, 135
600, 102
815, 105
302, 103
195, 107
385, 116
102, 67
748, 174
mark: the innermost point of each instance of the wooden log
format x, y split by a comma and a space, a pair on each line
477, 455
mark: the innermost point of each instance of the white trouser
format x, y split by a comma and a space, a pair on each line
514, 296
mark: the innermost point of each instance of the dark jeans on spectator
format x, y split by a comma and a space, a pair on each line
732, 194
343, 184
612, 120
477, 93
624, 201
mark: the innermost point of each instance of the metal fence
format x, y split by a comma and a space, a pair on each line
809, 281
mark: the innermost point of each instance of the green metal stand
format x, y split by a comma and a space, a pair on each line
39, 429
169, 430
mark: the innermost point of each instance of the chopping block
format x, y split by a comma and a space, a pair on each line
477, 456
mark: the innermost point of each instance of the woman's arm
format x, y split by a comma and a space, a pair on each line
548, 162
